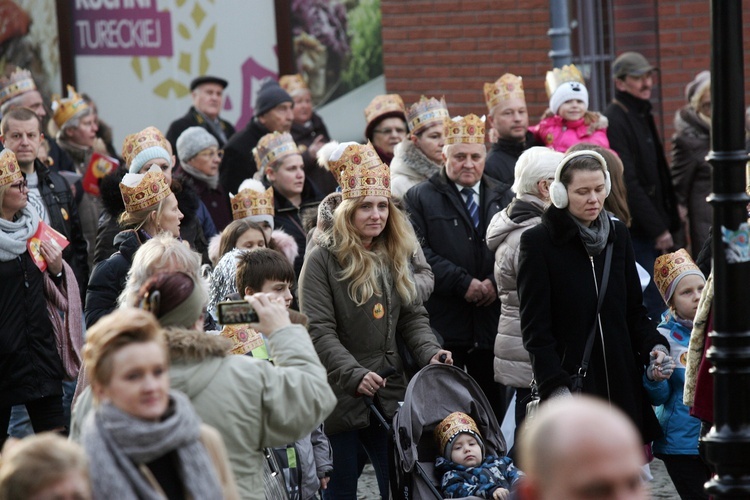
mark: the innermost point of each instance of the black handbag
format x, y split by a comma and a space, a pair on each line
576, 385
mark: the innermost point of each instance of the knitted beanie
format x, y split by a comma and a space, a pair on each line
194, 140
269, 96
146, 156
567, 91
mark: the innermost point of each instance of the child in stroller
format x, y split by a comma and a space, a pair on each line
435, 392
465, 469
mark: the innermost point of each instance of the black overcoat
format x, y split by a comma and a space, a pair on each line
558, 298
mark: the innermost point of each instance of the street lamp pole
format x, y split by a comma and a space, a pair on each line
559, 33
727, 444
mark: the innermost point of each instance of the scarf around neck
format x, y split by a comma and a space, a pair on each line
14, 234
117, 443
595, 236
211, 180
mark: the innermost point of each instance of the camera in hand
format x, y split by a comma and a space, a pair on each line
235, 312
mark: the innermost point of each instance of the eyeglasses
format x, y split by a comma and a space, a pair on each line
389, 131
210, 153
20, 185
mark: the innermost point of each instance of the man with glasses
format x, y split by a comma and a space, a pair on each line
207, 93
386, 124
49, 192
200, 157
633, 135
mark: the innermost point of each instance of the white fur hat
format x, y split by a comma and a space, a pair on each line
567, 91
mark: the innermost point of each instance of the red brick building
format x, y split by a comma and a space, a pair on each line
451, 47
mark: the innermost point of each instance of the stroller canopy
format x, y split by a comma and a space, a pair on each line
433, 393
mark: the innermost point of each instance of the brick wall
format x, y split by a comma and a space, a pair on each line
451, 47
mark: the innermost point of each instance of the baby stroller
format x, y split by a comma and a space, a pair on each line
433, 393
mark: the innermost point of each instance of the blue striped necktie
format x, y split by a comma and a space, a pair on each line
471, 205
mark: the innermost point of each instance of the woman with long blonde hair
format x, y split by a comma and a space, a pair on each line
357, 289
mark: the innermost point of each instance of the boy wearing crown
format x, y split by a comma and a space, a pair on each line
464, 468
450, 213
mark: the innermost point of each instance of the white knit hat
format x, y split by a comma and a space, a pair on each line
567, 91
194, 140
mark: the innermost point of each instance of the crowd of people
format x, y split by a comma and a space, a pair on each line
557, 261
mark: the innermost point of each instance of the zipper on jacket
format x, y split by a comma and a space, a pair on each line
601, 332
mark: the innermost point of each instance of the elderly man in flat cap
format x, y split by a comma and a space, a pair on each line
633, 135
207, 93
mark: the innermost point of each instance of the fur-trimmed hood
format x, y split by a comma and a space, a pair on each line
192, 346
410, 161
280, 241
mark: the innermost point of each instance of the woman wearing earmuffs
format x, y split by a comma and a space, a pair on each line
561, 270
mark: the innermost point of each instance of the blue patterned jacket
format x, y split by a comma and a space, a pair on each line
459, 481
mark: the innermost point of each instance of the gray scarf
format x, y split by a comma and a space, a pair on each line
117, 443
15, 234
211, 180
595, 236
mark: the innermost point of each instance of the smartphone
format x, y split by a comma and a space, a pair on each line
235, 312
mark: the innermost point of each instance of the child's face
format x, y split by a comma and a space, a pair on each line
686, 296
280, 289
466, 451
572, 110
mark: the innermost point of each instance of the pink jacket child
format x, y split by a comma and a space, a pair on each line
571, 121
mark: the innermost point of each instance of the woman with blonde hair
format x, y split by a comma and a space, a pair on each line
44, 466
357, 288
150, 209
143, 439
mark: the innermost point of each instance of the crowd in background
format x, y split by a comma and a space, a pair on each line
560, 258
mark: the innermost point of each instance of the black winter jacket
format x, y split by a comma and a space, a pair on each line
303, 136
457, 253
63, 216
632, 134
30, 367
502, 156
238, 163
558, 299
108, 279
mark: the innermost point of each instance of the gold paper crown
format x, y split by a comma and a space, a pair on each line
382, 105
364, 173
505, 88
273, 147
425, 113
668, 267
149, 137
452, 425
244, 339
65, 109
10, 172
558, 76
20, 82
293, 83
150, 190
250, 202
468, 129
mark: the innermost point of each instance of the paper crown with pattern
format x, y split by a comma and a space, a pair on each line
293, 84
467, 129
383, 105
134, 144
453, 425
670, 268
273, 147
556, 77
10, 172
506, 87
425, 113
249, 202
66, 108
142, 191
19, 82
244, 339
363, 173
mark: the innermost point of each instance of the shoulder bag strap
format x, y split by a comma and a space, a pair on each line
602, 291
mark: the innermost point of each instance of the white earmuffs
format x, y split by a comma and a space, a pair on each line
558, 193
